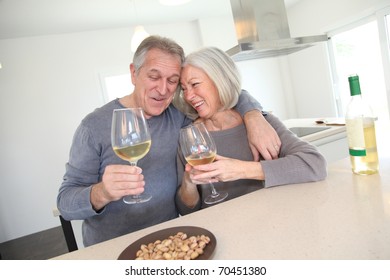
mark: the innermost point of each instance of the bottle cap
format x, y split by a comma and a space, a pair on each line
354, 85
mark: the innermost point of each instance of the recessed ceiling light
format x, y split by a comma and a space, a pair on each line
173, 2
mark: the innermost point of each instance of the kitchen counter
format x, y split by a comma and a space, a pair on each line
334, 128
345, 216
331, 142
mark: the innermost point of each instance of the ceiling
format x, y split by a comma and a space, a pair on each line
23, 18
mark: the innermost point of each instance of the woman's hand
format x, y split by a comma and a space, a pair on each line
191, 174
226, 169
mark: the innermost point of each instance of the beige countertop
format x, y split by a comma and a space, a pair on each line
346, 216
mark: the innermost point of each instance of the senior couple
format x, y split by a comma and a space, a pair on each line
205, 87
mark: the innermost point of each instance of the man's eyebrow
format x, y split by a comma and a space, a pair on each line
175, 75
156, 71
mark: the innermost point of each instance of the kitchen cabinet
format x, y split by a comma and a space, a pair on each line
333, 147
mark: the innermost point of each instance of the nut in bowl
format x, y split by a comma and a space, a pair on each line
177, 243
177, 247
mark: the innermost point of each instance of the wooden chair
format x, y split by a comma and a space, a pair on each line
68, 231
69, 234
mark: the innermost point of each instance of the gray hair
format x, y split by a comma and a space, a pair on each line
222, 71
156, 42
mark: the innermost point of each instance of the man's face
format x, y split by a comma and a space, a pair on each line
156, 82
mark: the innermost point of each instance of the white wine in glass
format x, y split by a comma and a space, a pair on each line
198, 148
131, 141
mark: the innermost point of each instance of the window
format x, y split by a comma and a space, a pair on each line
115, 86
357, 51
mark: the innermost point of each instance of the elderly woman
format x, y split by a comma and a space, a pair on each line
211, 85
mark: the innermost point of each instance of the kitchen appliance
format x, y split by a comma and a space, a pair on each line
262, 30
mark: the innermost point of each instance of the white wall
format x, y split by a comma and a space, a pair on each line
263, 78
49, 83
308, 17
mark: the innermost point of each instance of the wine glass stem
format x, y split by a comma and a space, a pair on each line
134, 163
213, 190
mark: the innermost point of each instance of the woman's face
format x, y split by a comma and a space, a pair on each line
199, 91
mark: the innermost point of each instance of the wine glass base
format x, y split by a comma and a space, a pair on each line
212, 199
133, 199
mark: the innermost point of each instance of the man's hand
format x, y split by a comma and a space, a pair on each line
117, 182
262, 137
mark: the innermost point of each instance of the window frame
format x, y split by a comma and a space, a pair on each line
384, 41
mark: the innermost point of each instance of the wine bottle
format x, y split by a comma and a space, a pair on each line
360, 124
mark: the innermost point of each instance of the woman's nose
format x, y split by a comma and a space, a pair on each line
188, 94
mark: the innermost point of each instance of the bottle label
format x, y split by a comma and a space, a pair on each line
357, 153
355, 134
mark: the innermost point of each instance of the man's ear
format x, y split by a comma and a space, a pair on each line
132, 73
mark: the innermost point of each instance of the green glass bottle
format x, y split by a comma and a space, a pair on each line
360, 124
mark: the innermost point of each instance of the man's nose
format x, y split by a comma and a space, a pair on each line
162, 87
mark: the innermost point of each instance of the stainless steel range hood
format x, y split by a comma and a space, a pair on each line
262, 30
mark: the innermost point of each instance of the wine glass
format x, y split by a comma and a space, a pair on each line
198, 148
130, 140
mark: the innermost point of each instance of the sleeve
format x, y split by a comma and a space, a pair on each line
247, 103
184, 209
82, 171
298, 162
